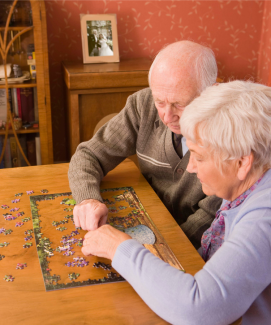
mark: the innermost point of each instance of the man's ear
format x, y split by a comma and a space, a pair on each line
244, 166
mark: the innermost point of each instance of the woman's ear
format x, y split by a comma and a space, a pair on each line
244, 166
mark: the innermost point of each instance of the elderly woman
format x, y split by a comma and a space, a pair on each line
228, 132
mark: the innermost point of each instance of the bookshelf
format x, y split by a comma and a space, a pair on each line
23, 23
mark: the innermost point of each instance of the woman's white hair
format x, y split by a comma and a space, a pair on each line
233, 119
200, 58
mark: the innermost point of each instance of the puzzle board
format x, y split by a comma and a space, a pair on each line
59, 242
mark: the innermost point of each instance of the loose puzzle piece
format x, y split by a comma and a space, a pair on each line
68, 201
26, 219
1, 257
4, 244
21, 266
27, 245
9, 217
9, 278
15, 201
20, 214
28, 232
78, 261
5, 231
14, 209
44, 191
4, 206
19, 224
18, 194
73, 276
28, 238
104, 266
61, 228
29, 192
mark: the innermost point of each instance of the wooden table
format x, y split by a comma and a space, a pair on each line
94, 91
25, 300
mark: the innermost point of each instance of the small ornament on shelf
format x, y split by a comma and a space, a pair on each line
17, 121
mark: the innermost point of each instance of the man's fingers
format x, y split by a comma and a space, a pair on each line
87, 235
86, 250
76, 217
102, 221
90, 214
92, 223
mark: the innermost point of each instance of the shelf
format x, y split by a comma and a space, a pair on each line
21, 131
23, 33
15, 28
27, 84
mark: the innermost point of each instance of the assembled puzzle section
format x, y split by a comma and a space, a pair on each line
59, 242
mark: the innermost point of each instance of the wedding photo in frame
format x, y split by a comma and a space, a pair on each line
99, 38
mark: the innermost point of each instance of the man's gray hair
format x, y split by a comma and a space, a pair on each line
201, 59
232, 119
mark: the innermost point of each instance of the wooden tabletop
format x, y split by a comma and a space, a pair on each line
25, 300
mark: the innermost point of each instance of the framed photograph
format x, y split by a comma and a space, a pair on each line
99, 38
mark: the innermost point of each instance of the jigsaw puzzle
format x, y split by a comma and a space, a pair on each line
59, 242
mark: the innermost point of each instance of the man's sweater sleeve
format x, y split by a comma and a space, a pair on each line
220, 293
93, 159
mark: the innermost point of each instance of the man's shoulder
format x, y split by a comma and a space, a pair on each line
143, 95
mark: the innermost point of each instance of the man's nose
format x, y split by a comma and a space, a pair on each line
169, 113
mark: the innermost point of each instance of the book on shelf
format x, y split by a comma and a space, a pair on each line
14, 152
27, 105
36, 110
38, 153
21, 160
14, 101
19, 102
8, 161
3, 106
2, 163
10, 99
31, 152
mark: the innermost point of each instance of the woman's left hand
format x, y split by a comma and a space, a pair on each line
103, 242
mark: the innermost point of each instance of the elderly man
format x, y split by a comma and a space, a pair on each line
149, 126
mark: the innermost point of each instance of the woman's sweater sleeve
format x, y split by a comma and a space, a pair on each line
220, 293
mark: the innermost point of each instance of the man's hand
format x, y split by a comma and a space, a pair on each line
90, 214
103, 242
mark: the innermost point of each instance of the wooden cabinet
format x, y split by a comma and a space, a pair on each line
20, 35
97, 90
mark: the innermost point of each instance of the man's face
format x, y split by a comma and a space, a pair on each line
171, 96
94, 32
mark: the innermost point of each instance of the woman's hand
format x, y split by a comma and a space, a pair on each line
103, 242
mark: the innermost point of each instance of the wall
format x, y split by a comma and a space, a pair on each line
233, 29
264, 65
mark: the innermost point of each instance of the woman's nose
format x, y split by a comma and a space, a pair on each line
192, 166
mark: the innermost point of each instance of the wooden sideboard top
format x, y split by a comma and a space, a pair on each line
127, 73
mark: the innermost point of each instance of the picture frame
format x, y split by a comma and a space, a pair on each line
99, 38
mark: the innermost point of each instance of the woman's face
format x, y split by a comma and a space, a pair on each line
100, 36
225, 185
